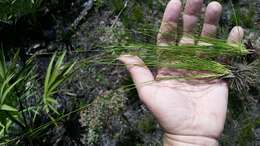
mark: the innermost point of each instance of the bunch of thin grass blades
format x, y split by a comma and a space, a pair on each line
210, 60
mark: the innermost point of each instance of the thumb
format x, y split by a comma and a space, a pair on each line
141, 75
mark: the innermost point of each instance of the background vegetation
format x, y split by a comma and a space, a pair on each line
60, 85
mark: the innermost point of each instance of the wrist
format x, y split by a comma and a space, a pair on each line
178, 140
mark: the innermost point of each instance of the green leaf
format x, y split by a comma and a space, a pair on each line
6, 107
69, 70
2, 64
8, 90
53, 109
14, 60
57, 68
55, 85
56, 74
52, 100
5, 84
48, 75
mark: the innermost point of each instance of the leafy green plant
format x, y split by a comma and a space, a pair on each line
14, 87
57, 73
21, 102
11, 10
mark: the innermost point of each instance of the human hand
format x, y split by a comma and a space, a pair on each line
191, 113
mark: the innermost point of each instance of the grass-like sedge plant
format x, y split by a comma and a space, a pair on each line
15, 87
20, 99
57, 73
195, 57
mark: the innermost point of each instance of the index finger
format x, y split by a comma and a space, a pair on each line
167, 33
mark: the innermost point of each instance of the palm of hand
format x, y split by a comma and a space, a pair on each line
187, 109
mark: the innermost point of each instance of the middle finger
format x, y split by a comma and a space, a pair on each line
190, 18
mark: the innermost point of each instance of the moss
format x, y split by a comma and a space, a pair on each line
101, 78
244, 17
98, 4
147, 124
133, 15
246, 134
131, 139
99, 113
137, 14
235, 105
117, 5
